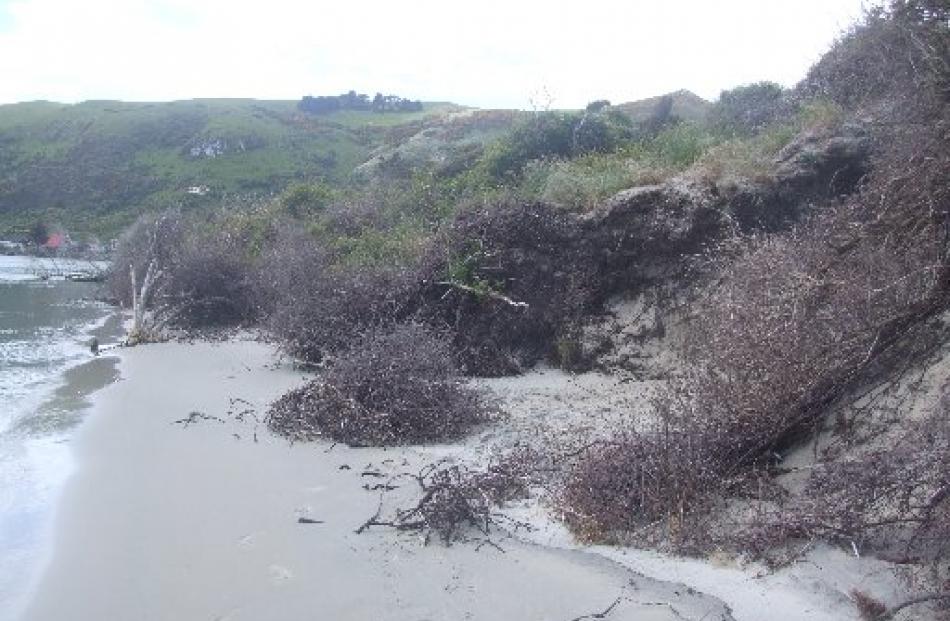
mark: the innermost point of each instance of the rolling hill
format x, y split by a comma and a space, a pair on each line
92, 167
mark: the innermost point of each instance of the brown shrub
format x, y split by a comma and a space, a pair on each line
778, 329
316, 308
646, 485
397, 387
868, 607
897, 53
456, 498
210, 283
892, 497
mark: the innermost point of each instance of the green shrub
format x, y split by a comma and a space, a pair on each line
681, 145
582, 183
545, 134
306, 200
555, 135
746, 110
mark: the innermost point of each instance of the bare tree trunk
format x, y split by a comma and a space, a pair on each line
140, 298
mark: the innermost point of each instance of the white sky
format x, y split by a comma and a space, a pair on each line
487, 53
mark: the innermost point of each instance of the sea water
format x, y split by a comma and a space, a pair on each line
46, 372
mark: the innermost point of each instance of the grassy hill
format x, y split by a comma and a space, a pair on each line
92, 167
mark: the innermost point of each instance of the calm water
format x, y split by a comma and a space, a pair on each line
46, 374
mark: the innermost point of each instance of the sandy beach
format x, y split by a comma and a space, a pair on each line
185, 506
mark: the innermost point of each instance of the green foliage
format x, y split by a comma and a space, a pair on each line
820, 114
749, 157
379, 248
582, 183
680, 145
306, 200
554, 135
545, 134
462, 268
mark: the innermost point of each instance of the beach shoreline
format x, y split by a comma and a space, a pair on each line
184, 506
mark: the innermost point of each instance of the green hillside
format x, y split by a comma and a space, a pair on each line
92, 167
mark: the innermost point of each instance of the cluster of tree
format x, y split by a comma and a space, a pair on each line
352, 100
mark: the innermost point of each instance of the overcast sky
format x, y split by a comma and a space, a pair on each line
488, 53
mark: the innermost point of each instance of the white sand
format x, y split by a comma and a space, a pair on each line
167, 522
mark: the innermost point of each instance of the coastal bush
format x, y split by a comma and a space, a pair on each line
555, 135
316, 307
398, 386
200, 273
544, 134
210, 282
748, 109
306, 200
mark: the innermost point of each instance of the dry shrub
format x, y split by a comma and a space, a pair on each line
316, 308
778, 329
397, 387
643, 485
455, 498
896, 53
210, 283
507, 279
893, 497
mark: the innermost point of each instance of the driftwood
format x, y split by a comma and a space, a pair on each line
600, 615
194, 417
454, 498
481, 292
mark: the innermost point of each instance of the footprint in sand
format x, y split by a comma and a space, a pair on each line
279, 574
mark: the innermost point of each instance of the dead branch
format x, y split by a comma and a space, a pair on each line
600, 615
484, 292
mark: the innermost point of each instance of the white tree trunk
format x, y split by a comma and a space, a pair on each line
140, 297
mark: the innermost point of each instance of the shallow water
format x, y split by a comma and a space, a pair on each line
46, 374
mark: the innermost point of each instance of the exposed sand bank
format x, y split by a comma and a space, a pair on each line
199, 520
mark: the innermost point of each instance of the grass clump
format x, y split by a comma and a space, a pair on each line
397, 387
